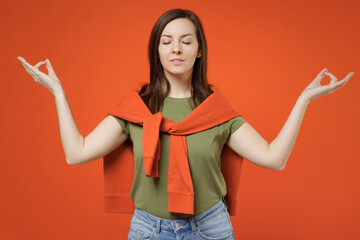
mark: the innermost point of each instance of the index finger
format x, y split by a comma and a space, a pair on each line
333, 78
39, 64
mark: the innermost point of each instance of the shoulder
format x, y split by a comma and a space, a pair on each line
235, 123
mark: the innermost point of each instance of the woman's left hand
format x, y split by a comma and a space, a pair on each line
315, 89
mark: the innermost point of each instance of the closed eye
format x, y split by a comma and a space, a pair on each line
183, 42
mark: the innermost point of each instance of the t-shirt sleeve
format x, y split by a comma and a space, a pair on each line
235, 123
124, 124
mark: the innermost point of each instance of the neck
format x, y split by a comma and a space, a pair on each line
180, 85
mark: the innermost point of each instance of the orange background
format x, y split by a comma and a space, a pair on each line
262, 54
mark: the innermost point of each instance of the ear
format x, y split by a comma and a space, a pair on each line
198, 54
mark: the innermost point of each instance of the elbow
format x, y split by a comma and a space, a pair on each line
280, 168
276, 162
74, 158
278, 165
71, 161
77, 160
276, 168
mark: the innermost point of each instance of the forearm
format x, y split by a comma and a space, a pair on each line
71, 138
281, 147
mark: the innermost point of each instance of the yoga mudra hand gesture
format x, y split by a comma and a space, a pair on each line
315, 89
50, 81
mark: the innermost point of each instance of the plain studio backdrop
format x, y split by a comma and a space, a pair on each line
262, 54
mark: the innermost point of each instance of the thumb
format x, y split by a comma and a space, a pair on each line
49, 66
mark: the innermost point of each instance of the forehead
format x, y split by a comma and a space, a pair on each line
178, 27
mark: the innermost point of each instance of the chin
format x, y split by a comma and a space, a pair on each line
177, 72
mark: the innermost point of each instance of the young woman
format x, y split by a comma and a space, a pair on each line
178, 85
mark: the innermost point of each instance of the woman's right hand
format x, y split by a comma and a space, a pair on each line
50, 81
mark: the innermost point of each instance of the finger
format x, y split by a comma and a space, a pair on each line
34, 72
30, 71
39, 64
332, 77
350, 75
26, 65
49, 66
347, 78
339, 84
31, 67
323, 72
22, 60
318, 78
27, 69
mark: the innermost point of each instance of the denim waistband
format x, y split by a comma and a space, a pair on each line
161, 223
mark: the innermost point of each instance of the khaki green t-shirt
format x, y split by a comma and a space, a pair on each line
204, 149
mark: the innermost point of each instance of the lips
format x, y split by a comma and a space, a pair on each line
177, 61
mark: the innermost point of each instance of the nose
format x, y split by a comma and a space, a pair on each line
176, 48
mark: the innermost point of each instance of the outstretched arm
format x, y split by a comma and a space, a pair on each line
78, 150
248, 143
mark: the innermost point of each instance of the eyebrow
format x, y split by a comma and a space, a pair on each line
165, 35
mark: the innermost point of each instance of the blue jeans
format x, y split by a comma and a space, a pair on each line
212, 224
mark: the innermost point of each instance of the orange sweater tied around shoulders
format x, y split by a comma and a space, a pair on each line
214, 110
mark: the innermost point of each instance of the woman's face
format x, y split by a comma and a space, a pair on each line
178, 47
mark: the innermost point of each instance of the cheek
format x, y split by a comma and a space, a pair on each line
195, 50
162, 53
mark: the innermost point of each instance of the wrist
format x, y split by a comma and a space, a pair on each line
304, 99
59, 91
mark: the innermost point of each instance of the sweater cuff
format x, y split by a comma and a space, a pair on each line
151, 167
181, 203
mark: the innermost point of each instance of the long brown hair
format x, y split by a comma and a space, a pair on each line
153, 94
